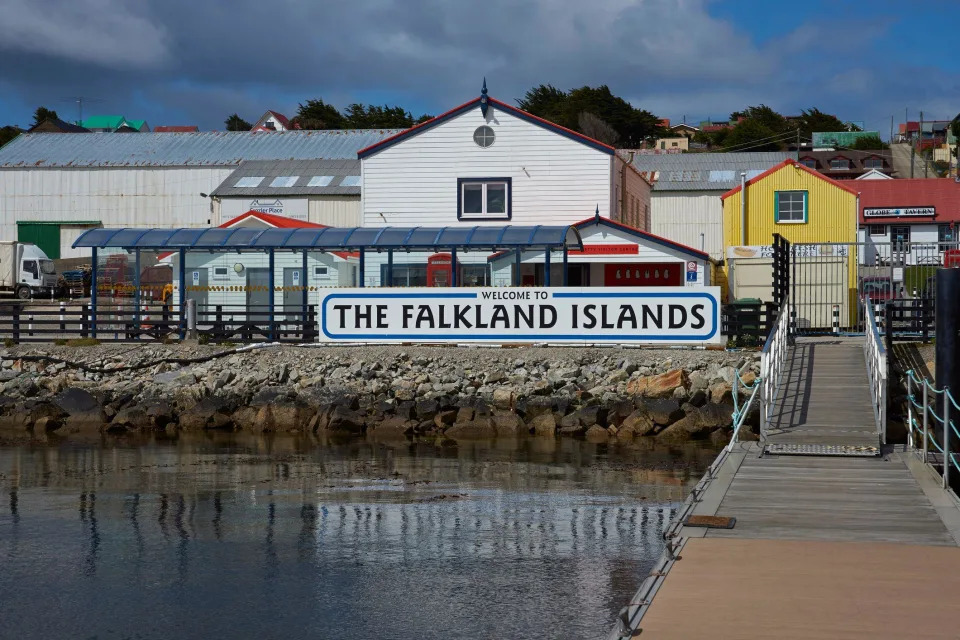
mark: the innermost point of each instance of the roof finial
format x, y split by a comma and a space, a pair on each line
598, 212
484, 105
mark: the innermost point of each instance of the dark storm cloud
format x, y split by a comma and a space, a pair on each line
196, 61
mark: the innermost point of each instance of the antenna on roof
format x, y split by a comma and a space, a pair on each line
80, 100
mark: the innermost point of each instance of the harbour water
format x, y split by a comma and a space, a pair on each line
253, 537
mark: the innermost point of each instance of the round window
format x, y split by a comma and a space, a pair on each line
483, 136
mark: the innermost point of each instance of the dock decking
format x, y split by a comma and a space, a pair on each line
824, 546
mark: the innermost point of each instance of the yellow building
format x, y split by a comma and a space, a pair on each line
806, 208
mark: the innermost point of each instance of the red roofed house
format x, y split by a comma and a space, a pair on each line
486, 162
918, 217
272, 121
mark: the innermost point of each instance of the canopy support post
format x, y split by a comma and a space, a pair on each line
304, 281
271, 257
453, 268
93, 293
183, 291
136, 292
362, 268
389, 268
516, 270
565, 265
546, 267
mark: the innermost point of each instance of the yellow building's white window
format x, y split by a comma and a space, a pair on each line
790, 207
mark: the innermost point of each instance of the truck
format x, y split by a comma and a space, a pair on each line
25, 270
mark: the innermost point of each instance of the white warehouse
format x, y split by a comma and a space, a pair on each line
55, 186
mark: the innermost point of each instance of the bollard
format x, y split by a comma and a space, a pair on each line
192, 319
836, 319
30, 325
63, 309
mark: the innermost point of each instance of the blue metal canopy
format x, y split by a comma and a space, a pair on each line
337, 238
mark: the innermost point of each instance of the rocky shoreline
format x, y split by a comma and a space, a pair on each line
50, 392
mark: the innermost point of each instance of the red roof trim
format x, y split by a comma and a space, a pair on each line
423, 126
787, 162
280, 222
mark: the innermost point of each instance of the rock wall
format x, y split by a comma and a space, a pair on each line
393, 391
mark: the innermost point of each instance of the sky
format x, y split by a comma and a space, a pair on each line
176, 62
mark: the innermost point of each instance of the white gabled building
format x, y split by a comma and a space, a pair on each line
486, 162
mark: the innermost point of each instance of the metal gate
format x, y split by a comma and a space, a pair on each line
827, 281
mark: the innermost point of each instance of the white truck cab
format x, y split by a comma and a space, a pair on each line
25, 270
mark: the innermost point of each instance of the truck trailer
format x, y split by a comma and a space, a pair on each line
25, 270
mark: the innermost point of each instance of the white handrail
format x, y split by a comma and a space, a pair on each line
875, 355
771, 364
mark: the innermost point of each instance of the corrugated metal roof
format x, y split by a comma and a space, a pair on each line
303, 170
207, 148
704, 171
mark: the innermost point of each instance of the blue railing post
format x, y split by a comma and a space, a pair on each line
546, 267
271, 262
389, 268
946, 437
94, 269
565, 252
183, 291
453, 268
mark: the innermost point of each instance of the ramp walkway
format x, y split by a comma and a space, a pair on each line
832, 533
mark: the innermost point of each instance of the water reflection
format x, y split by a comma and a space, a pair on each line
410, 540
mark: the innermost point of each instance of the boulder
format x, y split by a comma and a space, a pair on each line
502, 398
509, 424
682, 430
393, 426
661, 385
340, 419
465, 414
592, 415
638, 423
132, 417
596, 433
160, 413
530, 408
544, 425
481, 428
210, 413
663, 412
83, 410
444, 419
426, 409
714, 416
721, 392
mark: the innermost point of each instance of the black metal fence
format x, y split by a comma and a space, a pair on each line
36, 322
748, 324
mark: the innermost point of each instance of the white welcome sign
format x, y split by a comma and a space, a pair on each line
627, 315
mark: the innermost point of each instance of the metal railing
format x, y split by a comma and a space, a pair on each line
771, 364
740, 413
875, 355
930, 430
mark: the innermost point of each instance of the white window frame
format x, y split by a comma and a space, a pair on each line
900, 245
221, 276
844, 160
317, 273
803, 207
873, 227
873, 162
506, 214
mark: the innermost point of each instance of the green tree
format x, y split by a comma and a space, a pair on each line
317, 114
813, 120
42, 113
752, 134
8, 133
868, 143
236, 123
589, 105
360, 116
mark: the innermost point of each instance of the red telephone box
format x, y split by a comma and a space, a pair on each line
439, 270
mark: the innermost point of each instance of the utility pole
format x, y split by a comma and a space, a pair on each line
913, 149
798, 144
891, 130
920, 143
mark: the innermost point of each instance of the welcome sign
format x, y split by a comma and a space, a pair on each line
628, 315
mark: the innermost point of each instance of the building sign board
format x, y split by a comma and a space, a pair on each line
495, 315
899, 212
295, 208
826, 250
606, 250
691, 271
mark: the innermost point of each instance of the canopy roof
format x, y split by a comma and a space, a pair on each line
337, 238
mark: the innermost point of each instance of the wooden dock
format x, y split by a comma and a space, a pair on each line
843, 539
